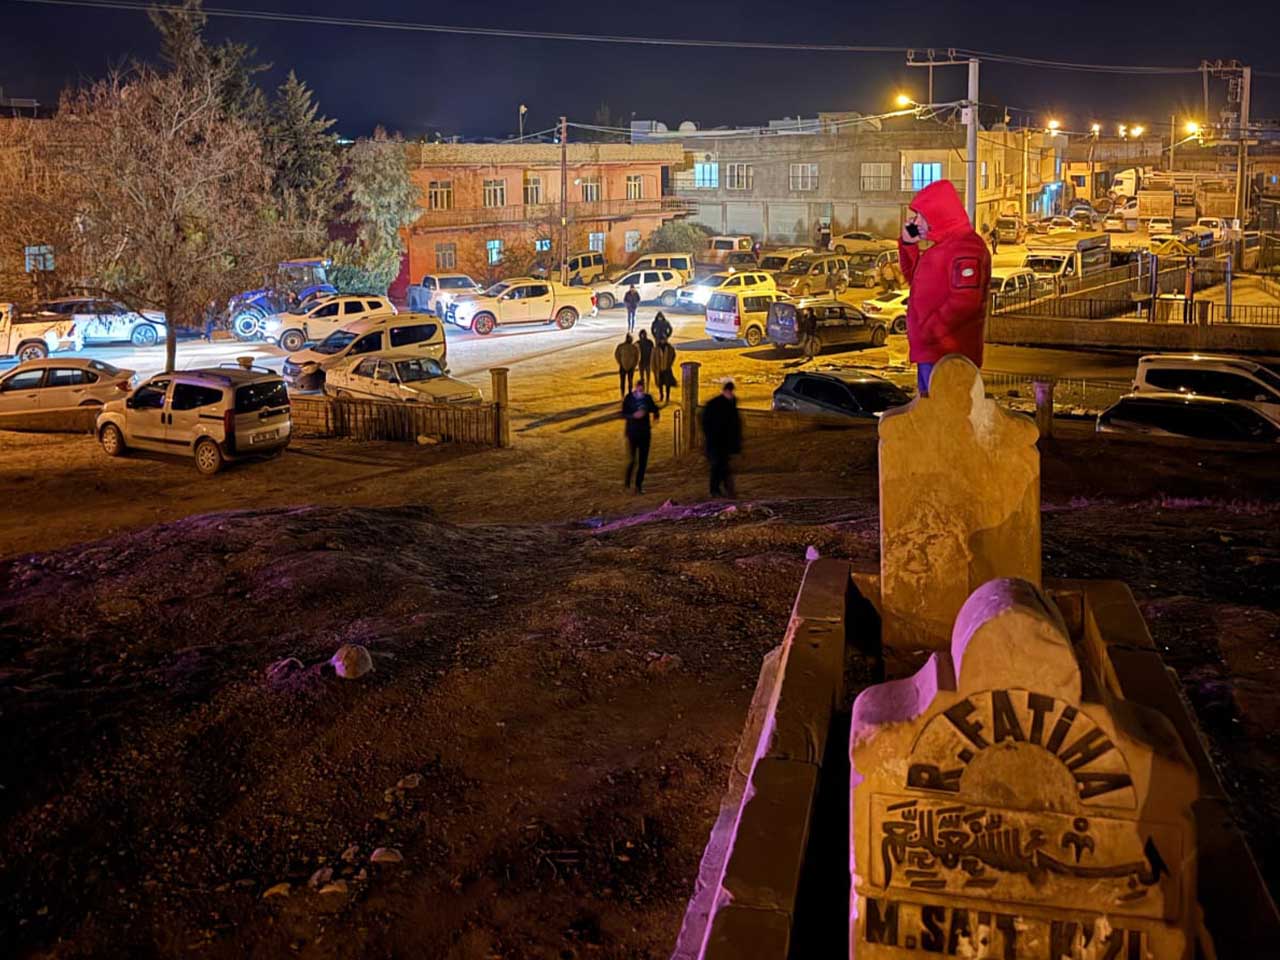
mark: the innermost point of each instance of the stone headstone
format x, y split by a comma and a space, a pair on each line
1004, 804
959, 504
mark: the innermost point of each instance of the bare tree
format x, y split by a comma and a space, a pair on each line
174, 196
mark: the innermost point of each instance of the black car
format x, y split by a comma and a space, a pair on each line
1187, 415
851, 394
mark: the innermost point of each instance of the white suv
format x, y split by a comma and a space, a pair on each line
214, 415
314, 320
1231, 378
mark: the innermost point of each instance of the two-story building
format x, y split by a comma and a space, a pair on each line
487, 208
781, 182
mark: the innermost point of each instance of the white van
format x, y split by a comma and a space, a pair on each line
405, 335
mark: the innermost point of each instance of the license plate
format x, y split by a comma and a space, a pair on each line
264, 437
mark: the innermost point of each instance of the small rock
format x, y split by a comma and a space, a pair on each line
811, 553
411, 782
352, 661
425, 441
665, 663
338, 886
279, 890
349, 855
282, 668
320, 877
386, 855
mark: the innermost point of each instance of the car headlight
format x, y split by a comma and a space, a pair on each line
702, 296
446, 297
272, 323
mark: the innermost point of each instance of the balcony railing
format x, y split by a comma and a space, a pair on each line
579, 211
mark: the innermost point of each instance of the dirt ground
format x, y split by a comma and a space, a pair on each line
561, 669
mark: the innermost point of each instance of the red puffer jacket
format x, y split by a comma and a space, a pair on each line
948, 281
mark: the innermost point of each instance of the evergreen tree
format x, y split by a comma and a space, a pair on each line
303, 152
183, 48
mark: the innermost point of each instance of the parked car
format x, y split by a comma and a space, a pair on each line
1084, 220
776, 261
739, 314
866, 265
718, 248
405, 335
412, 380
854, 240
30, 337
812, 324
741, 260
682, 263
891, 307
1114, 223
584, 268
317, 318
519, 301
654, 286
1187, 415
214, 415
696, 295
1231, 378
1010, 230
1159, 225
437, 289
1217, 225
808, 275
106, 321
61, 383
1010, 282
851, 394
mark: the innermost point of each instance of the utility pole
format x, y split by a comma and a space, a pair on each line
1026, 141
971, 170
564, 200
1204, 77
1242, 160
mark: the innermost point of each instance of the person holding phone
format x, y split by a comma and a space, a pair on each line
948, 280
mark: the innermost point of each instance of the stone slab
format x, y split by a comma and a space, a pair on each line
959, 504
746, 933
1232, 893
768, 848
824, 592
810, 687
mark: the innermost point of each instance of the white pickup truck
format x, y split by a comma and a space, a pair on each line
521, 300
33, 337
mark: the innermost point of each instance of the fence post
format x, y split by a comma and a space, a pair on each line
689, 403
502, 426
1228, 288
1044, 405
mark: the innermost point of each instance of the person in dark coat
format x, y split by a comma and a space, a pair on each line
661, 328
722, 430
664, 359
627, 354
637, 408
646, 356
632, 300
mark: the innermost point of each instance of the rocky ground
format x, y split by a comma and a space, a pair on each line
557, 689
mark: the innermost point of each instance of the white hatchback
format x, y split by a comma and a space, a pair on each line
314, 320
409, 380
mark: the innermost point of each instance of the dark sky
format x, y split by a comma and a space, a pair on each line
419, 82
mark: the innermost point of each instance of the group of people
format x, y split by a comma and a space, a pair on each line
721, 433
651, 360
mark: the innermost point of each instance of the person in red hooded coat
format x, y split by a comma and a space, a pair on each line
948, 281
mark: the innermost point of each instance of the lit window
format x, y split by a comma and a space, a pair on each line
923, 174
494, 250
635, 187
706, 176
39, 258
632, 238
985, 181
495, 193
804, 176
446, 256
440, 195
590, 189
596, 242
738, 176
542, 245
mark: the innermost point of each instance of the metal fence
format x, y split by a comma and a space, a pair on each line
1071, 395
1171, 310
474, 423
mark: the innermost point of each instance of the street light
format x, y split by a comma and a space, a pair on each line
1138, 130
1124, 131
902, 100
1053, 126
1096, 129
1192, 128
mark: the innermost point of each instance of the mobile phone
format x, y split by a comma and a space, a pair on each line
913, 230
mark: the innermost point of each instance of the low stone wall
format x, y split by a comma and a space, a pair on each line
1131, 335
72, 420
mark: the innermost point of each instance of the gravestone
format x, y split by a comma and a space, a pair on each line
959, 504
1004, 804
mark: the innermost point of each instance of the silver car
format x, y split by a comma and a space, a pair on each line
60, 384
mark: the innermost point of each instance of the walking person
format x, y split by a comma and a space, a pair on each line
722, 432
632, 300
645, 345
995, 241
627, 355
664, 359
661, 328
949, 281
637, 408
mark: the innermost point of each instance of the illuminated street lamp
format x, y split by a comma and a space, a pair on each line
1138, 130
1096, 129
1124, 131
902, 100
1053, 126
1192, 128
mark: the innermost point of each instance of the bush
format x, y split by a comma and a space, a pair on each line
678, 236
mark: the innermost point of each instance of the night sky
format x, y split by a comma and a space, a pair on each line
420, 83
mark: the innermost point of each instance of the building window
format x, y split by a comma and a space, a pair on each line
532, 190
985, 182
590, 189
923, 174
495, 193
596, 242
39, 258
738, 176
494, 249
804, 176
877, 176
446, 256
440, 195
632, 238
706, 176
1079, 181
542, 245
635, 187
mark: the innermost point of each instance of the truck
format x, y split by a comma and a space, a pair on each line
1216, 200
32, 337
518, 301
1066, 255
295, 282
1156, 198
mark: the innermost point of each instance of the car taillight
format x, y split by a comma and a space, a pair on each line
229, 429
737, 320
870, 308
593, 300
123, 386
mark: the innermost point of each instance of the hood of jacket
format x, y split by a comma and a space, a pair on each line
943, 210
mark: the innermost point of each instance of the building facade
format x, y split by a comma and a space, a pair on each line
491, 209
780, 184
